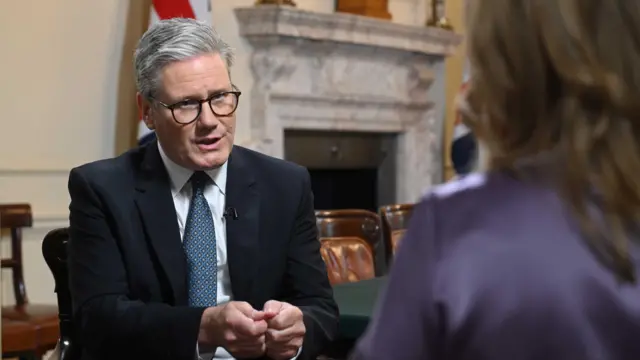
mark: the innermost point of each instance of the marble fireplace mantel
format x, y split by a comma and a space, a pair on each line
343, 72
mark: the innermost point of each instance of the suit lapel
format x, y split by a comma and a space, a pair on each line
155, 204
242, 233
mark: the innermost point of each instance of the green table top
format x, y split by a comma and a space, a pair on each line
356, 302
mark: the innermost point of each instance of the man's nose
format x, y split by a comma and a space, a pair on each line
207, 117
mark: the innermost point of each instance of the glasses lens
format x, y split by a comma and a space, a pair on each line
224, 104
186, 112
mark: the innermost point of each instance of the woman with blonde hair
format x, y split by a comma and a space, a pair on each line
545, 264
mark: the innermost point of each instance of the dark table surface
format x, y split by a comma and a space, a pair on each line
357, 302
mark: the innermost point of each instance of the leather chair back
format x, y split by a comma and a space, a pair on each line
395, 221
357, 223
348, 259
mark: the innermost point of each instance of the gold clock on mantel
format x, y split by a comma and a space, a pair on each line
372, 8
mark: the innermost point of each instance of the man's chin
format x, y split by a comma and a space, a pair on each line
212, 161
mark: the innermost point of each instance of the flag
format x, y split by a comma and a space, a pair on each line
166, 9
463, 144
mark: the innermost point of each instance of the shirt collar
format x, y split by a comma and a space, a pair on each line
180, 175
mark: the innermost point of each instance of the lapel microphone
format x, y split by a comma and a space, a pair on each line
230, 212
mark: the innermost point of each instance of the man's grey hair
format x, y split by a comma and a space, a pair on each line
172, 40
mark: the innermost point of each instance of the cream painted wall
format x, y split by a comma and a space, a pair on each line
59, 70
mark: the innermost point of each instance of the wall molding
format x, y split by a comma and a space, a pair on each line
50, 221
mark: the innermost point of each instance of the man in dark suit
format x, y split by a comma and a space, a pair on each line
190, 246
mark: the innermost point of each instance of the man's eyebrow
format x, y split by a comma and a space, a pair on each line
218, 91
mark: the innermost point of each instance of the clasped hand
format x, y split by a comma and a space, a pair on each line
276, 331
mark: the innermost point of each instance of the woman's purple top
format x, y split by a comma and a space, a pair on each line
493, 268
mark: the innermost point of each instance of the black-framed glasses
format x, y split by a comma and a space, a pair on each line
185, 112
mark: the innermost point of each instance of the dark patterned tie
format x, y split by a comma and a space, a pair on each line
200, 246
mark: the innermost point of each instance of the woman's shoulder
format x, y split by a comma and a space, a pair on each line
484, 201
480, 188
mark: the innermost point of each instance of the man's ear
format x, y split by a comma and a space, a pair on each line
144, 108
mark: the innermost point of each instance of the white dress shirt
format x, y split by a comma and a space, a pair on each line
215, 195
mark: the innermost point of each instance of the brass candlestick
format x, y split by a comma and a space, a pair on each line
275, 2
441, 22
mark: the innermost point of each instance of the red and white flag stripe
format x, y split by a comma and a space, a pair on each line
166, 9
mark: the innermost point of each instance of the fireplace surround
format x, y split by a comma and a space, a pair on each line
348, 73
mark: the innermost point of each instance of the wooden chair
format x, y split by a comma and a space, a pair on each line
395, 221
362, 224
54, 250
19, 340
348, 259
42, 318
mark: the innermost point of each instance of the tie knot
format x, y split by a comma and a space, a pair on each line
199, 179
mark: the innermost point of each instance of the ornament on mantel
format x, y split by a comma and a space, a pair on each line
372, 8
441, 22
275, 2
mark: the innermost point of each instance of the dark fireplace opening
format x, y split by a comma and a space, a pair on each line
335, 189
349, 170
